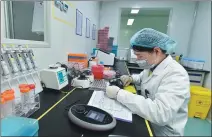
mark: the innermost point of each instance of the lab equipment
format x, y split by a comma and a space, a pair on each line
119, 111
12, 62
5, 68
27, 61
30, 102
151, 38
25, 98
98, 85
9, 103
80, 59
91, 118
81, 82
20, 61
98, 71
200, 102
3, 108
32, 93
107, 58
89, 75
54, 78
32, 58
19, 126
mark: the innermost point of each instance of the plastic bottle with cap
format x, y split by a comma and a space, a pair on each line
2, 107
32, 93
9, 91
9, 104
25, 97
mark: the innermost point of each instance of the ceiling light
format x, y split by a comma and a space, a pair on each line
130, 21
134, 11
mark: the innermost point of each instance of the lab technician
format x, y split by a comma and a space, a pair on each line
164, 84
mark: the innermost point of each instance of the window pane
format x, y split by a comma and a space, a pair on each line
20, 20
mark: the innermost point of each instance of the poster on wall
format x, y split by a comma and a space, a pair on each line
63, 11
94, 32
79, 19
88, 28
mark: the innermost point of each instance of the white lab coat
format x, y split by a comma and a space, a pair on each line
167, 104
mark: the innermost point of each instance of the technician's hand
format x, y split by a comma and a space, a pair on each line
112, 91
126, 80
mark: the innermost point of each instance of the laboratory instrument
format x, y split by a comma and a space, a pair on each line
54, 78
8, 97
98, 85
79, 61
25, 98
91, 118
81, 82
5, 68
103, 56
32, 58
89, 75
27, 60
12, 62
20, 60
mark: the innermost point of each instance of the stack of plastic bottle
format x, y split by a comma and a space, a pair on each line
27, 96
7, 103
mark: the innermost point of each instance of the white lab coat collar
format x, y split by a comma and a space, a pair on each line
162, 65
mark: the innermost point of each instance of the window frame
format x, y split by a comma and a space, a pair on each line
30, 43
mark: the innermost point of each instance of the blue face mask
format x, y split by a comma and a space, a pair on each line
143, 64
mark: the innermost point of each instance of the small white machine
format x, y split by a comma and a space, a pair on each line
105, 57
54, 78
81, 82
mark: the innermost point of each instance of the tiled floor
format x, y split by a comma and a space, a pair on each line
197, 127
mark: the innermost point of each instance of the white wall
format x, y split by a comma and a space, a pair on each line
179, 28
63, 38
126, 32
201, 41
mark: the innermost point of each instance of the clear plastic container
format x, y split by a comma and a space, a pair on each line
192, 63
2, 107
196, 64
25, 98
9, 104
32, 93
